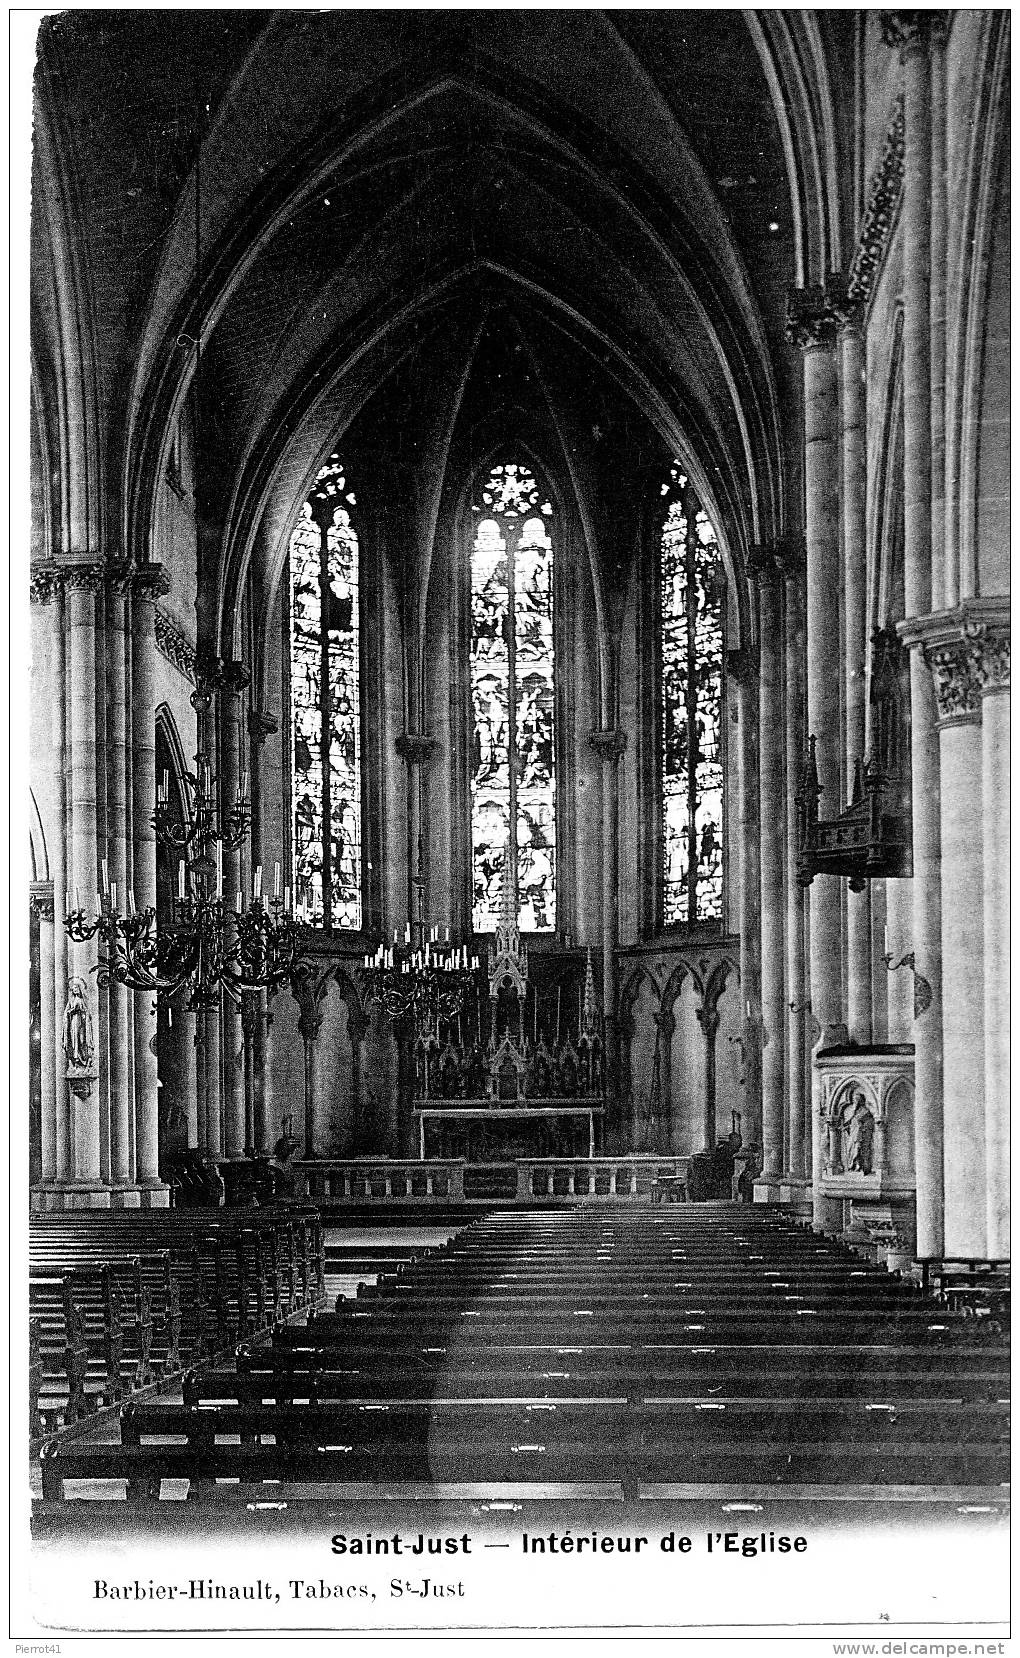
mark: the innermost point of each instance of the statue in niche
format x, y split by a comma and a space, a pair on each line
859, 1131
78, 1040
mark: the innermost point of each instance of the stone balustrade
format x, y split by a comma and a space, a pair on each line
382, 1180
541, 1179
615, 1178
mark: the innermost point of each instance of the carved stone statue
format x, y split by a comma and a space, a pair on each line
859, 1129
78, 1040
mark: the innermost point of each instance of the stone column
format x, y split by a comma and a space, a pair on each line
994, 677
42, 904
416, 751
909, 32
208, 673
741, 666
119, 863
234, 683
147, 584
797, 1159
957, 691
708, 1019
309, 988
258, 1103
48, 606
82, 582
816, 316
858, 904
610, 746
772, 824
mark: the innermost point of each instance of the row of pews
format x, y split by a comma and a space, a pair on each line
120, 1300
715, 1352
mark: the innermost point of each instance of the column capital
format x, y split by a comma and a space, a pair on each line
816, 315
610, 745
82, 578
173, 644
236, 678
208, 677
907, 32
45, 582
262, 724
41, 899
741, 666
764, 564
968, 652
416, 749
149, 582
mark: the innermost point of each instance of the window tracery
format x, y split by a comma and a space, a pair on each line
325, 706
512, 673
691, 591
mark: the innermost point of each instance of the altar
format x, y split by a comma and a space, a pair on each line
511, 1077
487, 1131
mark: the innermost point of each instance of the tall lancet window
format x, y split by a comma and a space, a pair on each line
513, 762
325, 706
691, 592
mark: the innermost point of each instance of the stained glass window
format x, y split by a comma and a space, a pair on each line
691, 642
325, 706
513, 764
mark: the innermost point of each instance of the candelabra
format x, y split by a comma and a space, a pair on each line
202, 948
199, 828
423, 977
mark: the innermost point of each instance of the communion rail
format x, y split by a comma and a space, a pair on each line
641, 1176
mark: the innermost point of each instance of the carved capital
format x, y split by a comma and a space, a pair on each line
880, 212
967, 650
149, 582
415, 749
740, 666
41, 899
609, 745
907, 32
816, 315
262, 724
236, 678
45, 583
764, 565
82, 578
174, 645
991, 661
957, 688
208, 678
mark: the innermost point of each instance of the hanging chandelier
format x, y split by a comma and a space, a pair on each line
421, 978
204, 946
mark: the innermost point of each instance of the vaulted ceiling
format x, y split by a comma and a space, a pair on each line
605, 208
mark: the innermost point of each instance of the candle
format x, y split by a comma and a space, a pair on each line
237, 906
180, 879
106, 876
286, 900
99, 906
113, 896
258, 881
749, 1007
407, 933
131, 900
276, 881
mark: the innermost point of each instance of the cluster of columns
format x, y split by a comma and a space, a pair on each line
93, 667
948, 919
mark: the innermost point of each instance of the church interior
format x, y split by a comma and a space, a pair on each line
519, 740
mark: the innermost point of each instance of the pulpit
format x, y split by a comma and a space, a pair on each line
864, 1167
